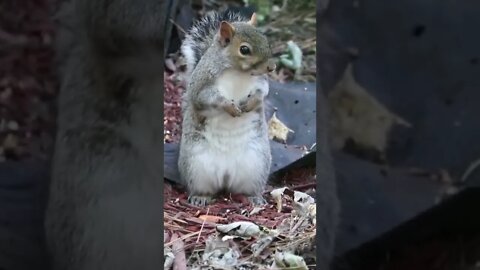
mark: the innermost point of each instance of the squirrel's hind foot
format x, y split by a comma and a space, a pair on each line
200, 200
257, 200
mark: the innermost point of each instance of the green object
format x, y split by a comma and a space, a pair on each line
293, 58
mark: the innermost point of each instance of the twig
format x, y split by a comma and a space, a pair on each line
304, 186
181, 238
201, 228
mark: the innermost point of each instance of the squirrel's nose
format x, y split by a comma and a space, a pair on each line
271, 68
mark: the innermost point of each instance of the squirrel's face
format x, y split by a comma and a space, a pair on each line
248, 49
253, 57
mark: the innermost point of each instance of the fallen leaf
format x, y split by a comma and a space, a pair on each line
302, 202
240, 228
277, 197
220, 252
169, 258
261, 245
287, 260
358, 116
277, 130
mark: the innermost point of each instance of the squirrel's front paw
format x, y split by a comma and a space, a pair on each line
252, 101
231, 108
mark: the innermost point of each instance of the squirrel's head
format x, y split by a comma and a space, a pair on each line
248, 49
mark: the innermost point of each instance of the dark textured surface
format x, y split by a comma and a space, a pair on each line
374, 201
23, 193
420, 58
455, 218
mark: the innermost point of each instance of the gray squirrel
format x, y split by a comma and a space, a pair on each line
224, 144
105, 207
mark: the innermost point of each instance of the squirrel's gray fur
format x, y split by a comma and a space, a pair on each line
199, 62
224, 144
105, 208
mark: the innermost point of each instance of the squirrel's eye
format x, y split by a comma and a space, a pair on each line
244, 50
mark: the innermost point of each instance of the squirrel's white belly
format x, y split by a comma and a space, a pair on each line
223, 131
236, 85
231, 155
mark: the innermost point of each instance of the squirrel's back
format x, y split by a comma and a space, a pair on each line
200, 36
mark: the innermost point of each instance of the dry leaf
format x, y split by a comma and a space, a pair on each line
287, 260
261, 245
220, 252
302, 203
277, 130
240, 229
357, 115
169, 258
277, 197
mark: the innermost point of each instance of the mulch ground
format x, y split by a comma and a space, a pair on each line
27, 82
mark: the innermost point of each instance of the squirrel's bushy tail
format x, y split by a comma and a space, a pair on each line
200, 36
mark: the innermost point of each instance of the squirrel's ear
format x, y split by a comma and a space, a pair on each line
226, 32
253, 19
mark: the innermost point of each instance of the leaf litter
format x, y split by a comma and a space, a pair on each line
233, 234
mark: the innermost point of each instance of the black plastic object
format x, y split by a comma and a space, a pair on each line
180, 17
375, 200
417, 58
457, 215
23, 194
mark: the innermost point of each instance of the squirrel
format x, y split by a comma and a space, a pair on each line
104, 209
224, 144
